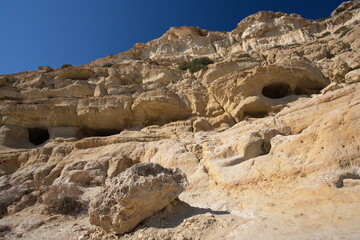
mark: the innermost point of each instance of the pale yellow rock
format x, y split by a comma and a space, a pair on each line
14, 137
351, 183
64, 132
100, 90
201, 125
353, 76
331, 87
75, 73
164, 77
135, 195
267, 135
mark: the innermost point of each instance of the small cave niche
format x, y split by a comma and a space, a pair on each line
265, 148
258, 114
340, 181
38, 136
89, 132
300, 91
276, 90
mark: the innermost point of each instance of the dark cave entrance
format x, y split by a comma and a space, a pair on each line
38, 136
276, 90
259, 114
89, 132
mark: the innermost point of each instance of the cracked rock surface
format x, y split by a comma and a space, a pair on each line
267, 136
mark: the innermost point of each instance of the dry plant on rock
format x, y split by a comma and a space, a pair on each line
63, 199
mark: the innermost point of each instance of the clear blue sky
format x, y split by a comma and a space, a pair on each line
54, 32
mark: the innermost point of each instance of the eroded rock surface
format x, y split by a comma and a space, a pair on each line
267, 133
135, 195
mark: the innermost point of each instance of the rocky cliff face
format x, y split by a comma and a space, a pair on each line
267, 135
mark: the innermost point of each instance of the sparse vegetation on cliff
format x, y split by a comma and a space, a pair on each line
325, 34
107, 65
345, 32
63, 199
196, 64
244, 55
66, 65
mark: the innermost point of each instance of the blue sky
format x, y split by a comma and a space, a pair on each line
55, 32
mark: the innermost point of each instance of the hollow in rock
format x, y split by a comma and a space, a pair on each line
38, 136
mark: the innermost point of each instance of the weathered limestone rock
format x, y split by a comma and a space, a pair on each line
3, 81
262, 89
340, 69
164, 77
351, 183
331, 87
64, 132
201, 125
159, 106
135, 195
268, 131
100, 90
45, 69
353, 76
14, 136
76, 73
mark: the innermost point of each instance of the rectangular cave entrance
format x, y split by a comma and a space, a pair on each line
280, 90
90, 132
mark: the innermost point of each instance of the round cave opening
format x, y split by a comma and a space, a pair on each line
38, 136
276, 90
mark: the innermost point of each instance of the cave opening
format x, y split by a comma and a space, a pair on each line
276, 90
265, 147
258, 114
89, 132
38, 136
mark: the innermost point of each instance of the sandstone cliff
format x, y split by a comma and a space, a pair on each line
267, 135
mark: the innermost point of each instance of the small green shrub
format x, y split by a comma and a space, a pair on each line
325, 34
107, 65
11, 196
68, 205
340, 9
344, 33
320, 19
196, 64
66, 65
293, 45
244, 55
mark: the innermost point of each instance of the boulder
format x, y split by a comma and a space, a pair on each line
135, 195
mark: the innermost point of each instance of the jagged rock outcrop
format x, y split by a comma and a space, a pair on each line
135, 195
